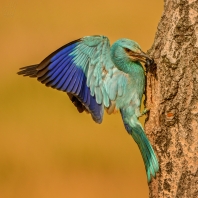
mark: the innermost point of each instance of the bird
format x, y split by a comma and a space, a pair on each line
98, 77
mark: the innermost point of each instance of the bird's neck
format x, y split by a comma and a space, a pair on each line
130, 67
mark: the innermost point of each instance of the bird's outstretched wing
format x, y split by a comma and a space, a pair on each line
83, 68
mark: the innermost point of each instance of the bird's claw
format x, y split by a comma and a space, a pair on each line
145, 111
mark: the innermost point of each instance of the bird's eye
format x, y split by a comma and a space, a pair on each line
127, 50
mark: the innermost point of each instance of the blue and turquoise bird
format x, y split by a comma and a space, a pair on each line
96, 77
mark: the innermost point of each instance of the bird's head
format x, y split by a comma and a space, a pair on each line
128, 51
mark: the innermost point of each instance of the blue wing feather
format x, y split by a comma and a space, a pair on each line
69, 79
80, 83
64, 51
74, 81
54, 73
64, 78
85, 93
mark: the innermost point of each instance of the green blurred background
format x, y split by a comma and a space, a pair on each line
48, 149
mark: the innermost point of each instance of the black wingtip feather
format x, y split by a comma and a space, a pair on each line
35, 70
30, 71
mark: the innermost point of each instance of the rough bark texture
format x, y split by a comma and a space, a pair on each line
172, 96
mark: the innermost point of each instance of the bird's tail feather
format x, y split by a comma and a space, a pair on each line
148, 155
30, 71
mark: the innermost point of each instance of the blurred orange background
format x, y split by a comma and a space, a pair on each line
48, 149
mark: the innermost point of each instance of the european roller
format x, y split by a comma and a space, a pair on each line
97, 76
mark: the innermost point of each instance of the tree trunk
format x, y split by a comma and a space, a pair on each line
172, 96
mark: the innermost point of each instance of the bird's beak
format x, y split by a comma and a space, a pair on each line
144, 57
141, 56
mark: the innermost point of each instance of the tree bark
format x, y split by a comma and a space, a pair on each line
172, 96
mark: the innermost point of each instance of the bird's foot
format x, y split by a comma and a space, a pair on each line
145, 111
